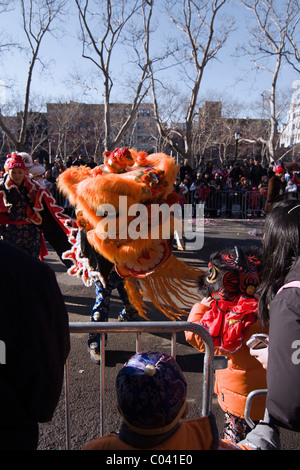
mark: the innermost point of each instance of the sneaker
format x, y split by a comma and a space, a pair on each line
125, 316
94, 351
94, 355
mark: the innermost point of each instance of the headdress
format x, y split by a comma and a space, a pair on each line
131, 182
279, 169
231, 280
33, 168
26, 159
14, 160
151, 393
231, 273
36, 170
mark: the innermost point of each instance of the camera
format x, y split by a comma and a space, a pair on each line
258, 341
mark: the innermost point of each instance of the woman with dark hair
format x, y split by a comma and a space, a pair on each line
281, 245
279, 305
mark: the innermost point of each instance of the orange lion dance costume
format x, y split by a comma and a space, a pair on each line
130, 177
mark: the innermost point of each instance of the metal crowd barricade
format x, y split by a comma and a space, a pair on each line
239, 204
210, 364
249, 400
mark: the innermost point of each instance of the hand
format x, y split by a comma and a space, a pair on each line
206, 301
261, 355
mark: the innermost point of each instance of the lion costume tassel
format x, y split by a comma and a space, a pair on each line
123, 210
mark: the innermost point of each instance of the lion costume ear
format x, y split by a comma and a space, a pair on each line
69, 180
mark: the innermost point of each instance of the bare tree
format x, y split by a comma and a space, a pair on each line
271, 46
202, 39
6, 38
38, 17
103, 28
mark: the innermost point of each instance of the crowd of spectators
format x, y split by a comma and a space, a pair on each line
243, 185
222, 189
53, 170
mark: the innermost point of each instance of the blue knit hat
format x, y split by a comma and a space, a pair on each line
151, 393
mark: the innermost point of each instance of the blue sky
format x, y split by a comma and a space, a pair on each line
224, 76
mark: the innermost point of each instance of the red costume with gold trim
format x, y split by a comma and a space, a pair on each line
40, 210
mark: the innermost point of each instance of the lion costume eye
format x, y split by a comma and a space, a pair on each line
213, 274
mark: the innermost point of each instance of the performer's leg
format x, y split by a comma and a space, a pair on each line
99, 314
128, 313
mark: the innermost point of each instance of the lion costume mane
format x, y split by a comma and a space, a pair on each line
146, 263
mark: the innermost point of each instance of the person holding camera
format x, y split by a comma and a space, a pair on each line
279, 306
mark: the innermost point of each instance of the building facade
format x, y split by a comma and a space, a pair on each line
220, 137
78, 128
290, 132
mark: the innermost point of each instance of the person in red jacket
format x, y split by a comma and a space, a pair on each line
228, 311
28, 213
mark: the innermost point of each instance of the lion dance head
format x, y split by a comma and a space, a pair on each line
125, 206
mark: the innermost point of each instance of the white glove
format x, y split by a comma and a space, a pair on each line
261, 355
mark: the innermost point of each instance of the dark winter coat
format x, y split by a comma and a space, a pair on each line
283, 374
34, 334
274, 193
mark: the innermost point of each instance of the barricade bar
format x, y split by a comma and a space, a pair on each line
168, 327
219, 203
249, 400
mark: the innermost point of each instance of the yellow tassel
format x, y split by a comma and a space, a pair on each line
173, 283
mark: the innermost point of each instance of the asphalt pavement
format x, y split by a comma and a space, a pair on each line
84, 376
